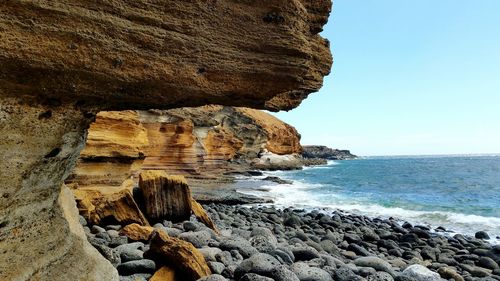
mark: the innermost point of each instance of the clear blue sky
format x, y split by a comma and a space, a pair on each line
409, 77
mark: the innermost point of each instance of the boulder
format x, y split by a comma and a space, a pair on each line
482, 235
120, 207
420, 273
376, 263
262, 264
179, 254
202, 215
306, 273
165, 273
449, 273
137, 232
165, 197
136, 266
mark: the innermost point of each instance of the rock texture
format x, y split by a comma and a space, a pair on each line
38, 146
165, 273
136, 232
165, 197
202, 215
323, 152
175, 53
189, 141
181, 254
116, 207
63, 61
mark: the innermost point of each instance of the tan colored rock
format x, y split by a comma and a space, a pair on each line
187, 141
179, 254
137, 232
133, 54
40, 237
281, 137
116, 134
202, 215
450, 273
165, 196
114, 207
63, 61
165, 273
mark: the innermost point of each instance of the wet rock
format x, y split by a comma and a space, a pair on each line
482, 235
488, 263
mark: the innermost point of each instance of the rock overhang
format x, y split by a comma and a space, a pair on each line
166, 54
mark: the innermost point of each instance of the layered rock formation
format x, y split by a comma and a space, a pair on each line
63, 61
202, 141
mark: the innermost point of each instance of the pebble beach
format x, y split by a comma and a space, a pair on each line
262, 242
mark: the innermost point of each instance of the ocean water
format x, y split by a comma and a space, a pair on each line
460, 193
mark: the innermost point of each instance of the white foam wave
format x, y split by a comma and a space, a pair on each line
298, 195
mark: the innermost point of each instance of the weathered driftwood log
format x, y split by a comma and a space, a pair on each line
165, 196
118, 207
181, 255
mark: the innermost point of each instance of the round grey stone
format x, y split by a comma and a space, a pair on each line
137, 266
306, 273
262, 264
198, 238
254, 277
420, 273
129, 254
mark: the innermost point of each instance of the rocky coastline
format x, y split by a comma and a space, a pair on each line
261, 242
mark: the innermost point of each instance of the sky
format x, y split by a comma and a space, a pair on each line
409, 78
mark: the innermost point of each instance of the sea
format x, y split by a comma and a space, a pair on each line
459, 192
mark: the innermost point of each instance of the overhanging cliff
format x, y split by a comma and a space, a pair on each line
65, 60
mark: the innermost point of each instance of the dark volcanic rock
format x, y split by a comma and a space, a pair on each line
320, 151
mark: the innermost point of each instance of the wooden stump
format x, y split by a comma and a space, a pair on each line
165, 197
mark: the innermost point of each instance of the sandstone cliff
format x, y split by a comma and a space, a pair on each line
201, 141
65, 60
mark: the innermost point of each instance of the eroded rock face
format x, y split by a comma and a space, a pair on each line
40, 236
64, 60
188, 141
165, 197
135, 54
